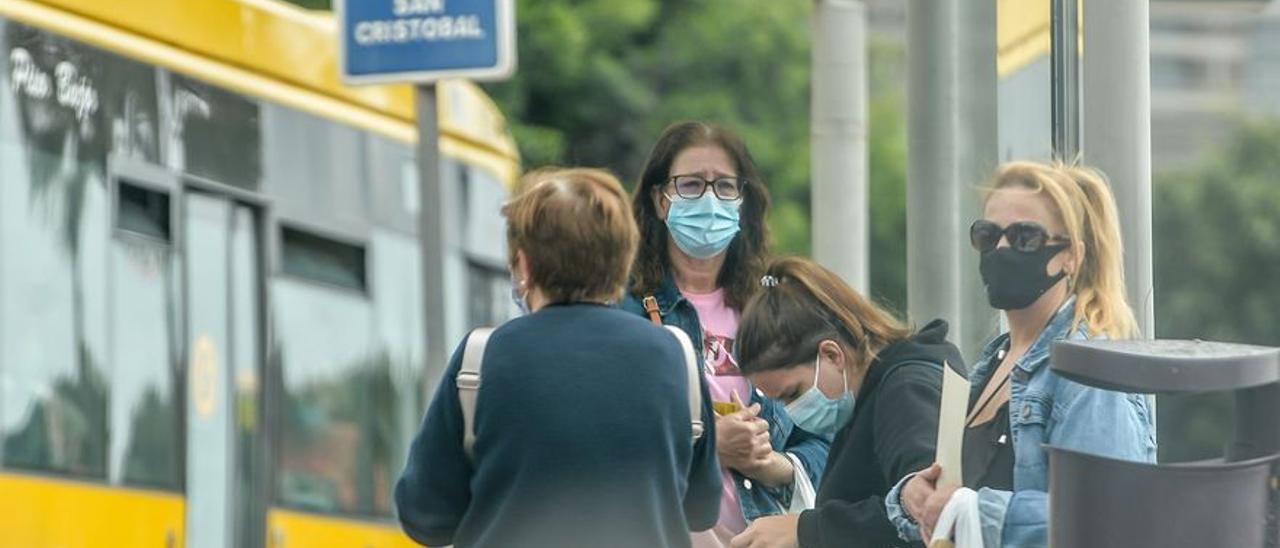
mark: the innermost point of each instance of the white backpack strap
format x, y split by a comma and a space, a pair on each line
468, 381
695, 379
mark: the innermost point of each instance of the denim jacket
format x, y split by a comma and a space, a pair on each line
755, 498
1046, 409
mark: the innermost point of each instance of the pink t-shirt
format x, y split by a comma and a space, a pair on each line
719, 327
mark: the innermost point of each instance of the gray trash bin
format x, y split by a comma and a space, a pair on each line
1097, 502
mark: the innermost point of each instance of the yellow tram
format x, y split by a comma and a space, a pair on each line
210, 283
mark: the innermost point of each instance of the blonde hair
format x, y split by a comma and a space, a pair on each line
1084, 204
577, 233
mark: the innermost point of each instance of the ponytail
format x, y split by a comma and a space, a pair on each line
1100, 289
803, 304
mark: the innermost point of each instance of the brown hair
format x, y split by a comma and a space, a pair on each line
1083, 202
746, 255
576, 232
803, 304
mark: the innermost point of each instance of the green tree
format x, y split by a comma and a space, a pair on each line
1217, 252
580, 94
312, 4
598, 80
887, 154
1217, 232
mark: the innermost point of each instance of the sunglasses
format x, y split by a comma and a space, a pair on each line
1024, 236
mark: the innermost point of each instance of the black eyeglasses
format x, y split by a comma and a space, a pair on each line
1024, 236
692, 187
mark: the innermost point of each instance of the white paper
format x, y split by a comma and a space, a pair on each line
951, 415
803, 495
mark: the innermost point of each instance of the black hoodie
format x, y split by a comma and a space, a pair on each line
892, 434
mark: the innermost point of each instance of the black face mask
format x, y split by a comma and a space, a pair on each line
1015, 279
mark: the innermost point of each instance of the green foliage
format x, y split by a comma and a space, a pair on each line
312, 4
1217, 254
578, 97
1217, 243
600, 79
887, 154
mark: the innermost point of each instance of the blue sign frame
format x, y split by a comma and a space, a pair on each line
387, 41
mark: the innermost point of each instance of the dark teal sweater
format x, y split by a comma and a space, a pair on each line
583, 438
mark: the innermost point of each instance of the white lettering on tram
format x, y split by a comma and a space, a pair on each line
419, 29
26, 77
70, 88
75, 92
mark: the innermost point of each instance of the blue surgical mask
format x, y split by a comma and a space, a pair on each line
814, 412
522, 301
703, 227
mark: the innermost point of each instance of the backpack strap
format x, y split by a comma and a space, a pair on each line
468, 381
695, 380
651, 308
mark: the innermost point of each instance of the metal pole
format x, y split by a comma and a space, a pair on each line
951, 131
432, 230
839, 140
1117, 131
1066, 78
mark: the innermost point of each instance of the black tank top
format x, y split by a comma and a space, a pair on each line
988, 447
988, 453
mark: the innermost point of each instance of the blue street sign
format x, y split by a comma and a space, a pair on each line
426, 40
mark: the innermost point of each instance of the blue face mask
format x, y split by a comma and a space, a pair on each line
522, 302
816, 413
703, 227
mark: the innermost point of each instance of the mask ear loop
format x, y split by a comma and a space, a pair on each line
1071, 278
817, 365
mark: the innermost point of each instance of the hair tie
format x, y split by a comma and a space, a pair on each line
768, 281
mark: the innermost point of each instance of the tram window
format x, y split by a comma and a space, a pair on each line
143, 211
78, 383
351, 378
145, 445
53, 381
489, 302
464, 190
484, 232
337, 411
220, 132
322, 259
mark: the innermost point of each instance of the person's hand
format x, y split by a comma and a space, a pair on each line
742, 437
933, 508
936, 498
771, 532
915, 495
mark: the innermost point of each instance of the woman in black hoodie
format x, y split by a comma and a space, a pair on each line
845, 367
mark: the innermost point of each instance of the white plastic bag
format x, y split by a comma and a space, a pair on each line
803, 495
960, 520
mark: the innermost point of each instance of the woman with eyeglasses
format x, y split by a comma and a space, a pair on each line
700, 207
1051, 259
